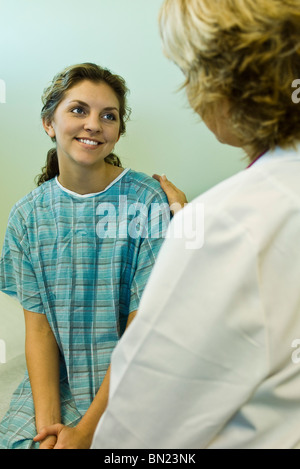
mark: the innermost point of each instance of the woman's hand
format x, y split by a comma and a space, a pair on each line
48, 443
66, 437
81, 436
176, 197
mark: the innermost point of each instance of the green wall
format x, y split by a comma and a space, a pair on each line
38, 38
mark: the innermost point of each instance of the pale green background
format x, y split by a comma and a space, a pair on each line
38, 38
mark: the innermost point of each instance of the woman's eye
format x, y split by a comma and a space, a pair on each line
110, 117
78, 110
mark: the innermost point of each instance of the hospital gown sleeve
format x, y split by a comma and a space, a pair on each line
196, 350
17, 276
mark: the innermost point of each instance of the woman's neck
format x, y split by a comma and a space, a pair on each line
88, 180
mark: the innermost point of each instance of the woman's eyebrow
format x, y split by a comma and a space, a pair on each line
112, 108
82, 103
77, 101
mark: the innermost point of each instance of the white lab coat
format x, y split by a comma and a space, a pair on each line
209, 360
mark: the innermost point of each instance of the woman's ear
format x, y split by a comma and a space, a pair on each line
48, 128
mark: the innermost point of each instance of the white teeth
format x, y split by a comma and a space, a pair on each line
88, 142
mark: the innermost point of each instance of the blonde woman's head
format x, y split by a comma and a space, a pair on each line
245, 52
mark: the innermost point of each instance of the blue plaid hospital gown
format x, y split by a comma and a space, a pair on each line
84, 262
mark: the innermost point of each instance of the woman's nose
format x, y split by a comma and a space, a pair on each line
93, 123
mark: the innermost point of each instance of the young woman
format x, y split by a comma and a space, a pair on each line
78, 252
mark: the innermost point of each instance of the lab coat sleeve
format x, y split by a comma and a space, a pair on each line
196, 350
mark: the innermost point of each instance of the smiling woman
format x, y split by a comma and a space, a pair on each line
79, 290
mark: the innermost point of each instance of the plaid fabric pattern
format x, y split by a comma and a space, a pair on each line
71, 257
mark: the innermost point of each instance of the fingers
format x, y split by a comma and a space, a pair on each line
48, 443
159, 178
165, 183
47, 431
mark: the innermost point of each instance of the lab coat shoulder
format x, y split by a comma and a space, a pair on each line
210, 338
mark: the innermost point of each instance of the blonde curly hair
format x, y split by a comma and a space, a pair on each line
244, 51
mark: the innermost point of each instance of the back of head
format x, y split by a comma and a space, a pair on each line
244, 51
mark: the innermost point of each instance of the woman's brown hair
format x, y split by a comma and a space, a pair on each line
55, 93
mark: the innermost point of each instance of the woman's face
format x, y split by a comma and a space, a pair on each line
86, 125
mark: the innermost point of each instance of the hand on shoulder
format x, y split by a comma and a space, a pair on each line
176, 198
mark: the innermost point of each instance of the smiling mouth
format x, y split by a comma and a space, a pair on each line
87, 141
